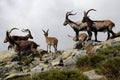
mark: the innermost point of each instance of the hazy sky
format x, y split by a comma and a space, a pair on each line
43, 14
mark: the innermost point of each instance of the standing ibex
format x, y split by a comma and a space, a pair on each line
76, 26
21, 46
98, 26
51, 41
19, 38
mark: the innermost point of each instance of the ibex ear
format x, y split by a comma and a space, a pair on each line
47, 30
43, 30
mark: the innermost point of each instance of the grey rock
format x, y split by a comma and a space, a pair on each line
93, 76
78, 45
13, 75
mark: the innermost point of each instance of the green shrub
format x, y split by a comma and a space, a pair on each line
108, 50
90, 61
105, 51
21, 78
97, 59
57, 75
83, 62
111, 68
60, 75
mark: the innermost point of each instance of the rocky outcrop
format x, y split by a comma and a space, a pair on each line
61, 60
92, 75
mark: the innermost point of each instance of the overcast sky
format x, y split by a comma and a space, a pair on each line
43, 14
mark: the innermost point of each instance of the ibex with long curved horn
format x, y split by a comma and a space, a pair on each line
51, 41
6, 39
19, 38
98, 26
76, 26
21, 46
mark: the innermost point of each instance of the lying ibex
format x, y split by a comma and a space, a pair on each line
19, 38
98, 26
21, 46
82, 38
51, 41
76, 26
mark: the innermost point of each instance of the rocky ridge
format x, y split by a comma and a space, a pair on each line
61, 60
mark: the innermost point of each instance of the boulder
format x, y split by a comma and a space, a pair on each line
11, 67
111, 42
14, 75
72, 56
78, 45
93, 76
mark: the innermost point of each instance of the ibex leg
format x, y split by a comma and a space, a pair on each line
9, 47
55, 47
50, 48
108, 35
90, 35
95, 35
113, 34
77, 34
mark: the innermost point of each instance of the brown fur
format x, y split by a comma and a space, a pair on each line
98, 26
21, 46
18, 38
76, 26
51, 41
82, 37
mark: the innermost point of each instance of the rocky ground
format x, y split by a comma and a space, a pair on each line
66, 59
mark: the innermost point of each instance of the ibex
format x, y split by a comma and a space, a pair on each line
76, 26
51, 41
18, 38
98, 26
6, 39
82, 38
21, 46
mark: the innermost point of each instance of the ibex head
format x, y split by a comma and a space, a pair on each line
45, 32
86, 18
6, 38
27, 30
67, 19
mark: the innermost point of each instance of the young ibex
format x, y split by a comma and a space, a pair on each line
21, 46
76, 26
19, 38
51, 41
98, 26
82, 38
